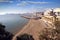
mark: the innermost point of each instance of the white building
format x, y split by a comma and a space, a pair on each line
56, 10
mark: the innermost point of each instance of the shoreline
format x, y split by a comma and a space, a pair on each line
23, 27
33, 27
18, 33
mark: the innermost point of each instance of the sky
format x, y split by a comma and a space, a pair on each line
26, 6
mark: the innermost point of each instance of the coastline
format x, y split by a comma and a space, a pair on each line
21, 27
18, 33
33, 27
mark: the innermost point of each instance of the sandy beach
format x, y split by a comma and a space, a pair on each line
33, 27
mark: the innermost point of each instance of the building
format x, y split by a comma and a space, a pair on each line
55, 11
39, 14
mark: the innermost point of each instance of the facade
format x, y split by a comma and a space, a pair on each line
57, 11
47, 12
51, 12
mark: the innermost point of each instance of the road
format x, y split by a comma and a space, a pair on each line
33, 27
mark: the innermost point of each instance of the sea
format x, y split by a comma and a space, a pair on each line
13, 22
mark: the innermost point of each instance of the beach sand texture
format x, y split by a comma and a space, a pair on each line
33, 27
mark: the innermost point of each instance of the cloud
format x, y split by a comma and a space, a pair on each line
24, 3
37, 2
6, 1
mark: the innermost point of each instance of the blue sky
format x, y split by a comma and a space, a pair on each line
25, 6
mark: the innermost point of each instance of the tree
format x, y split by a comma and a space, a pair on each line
58, 13
51, 33
4, 35
25, 37
48, 34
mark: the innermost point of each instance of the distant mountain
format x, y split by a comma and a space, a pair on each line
18, 14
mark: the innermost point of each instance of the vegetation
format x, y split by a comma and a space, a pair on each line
4, 35
25, 37
51, 33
